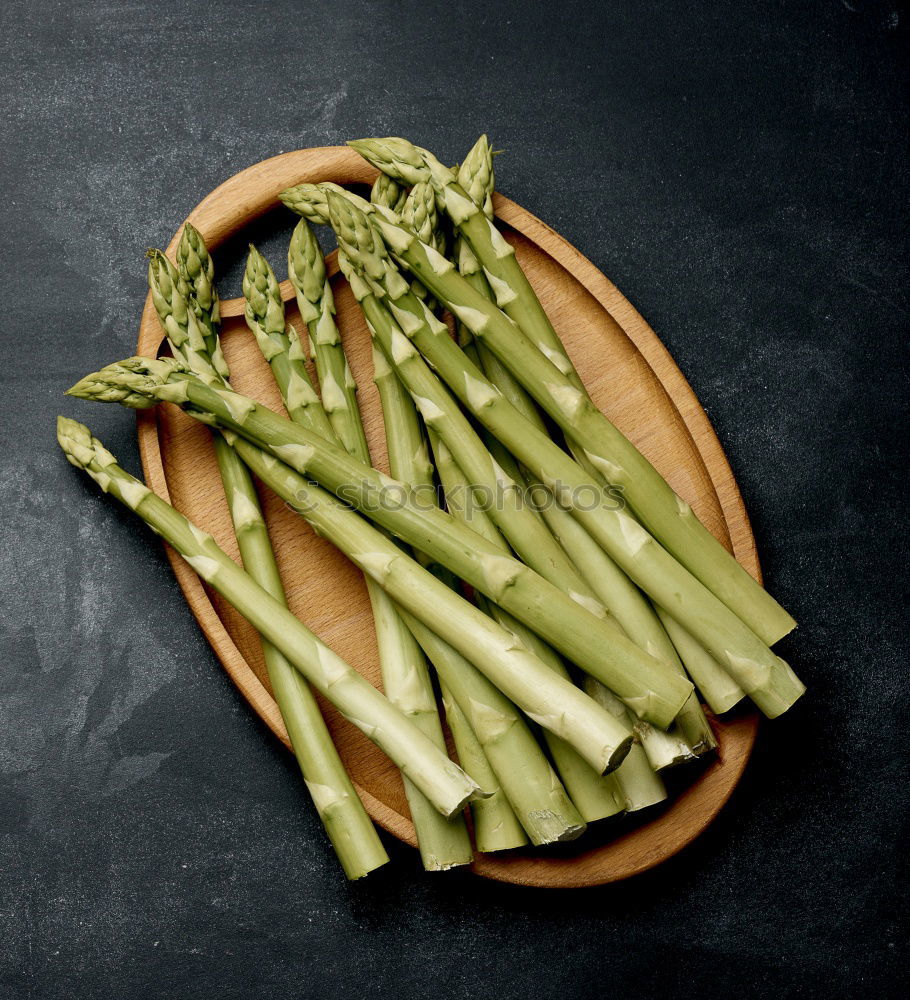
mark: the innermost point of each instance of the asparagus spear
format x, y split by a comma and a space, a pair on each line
306, 269
443, 843
197, 269
419, 213
718, 688
389, 193
596, 796
764, 676
561, 394
444, 783
496, 827
188, 309
280, 345
652, 691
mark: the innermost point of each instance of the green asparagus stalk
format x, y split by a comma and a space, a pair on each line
280, 344
596, 796
764, 676
443, 843
306, 269
187, 306
717, 687
582, 638
639, 784
496, 827
545, 373
445, 784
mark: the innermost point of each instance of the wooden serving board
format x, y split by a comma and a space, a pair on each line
630, 375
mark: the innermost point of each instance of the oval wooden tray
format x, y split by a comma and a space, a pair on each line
630, 375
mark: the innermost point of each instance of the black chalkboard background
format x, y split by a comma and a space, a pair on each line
738, 169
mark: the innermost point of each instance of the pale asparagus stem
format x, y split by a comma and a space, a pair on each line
526, 777
306, 270
349, 829
525, 531
581, 637
768, 680
495, 826
447, 786
443, 843
717, 687
596, 796
638, 782
650, 496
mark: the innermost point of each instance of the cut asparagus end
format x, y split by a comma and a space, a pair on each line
781, 692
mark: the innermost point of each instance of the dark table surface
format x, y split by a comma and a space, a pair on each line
738, 169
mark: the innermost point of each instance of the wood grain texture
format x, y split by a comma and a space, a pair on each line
630, 375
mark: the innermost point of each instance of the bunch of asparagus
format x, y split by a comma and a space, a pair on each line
571, 643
